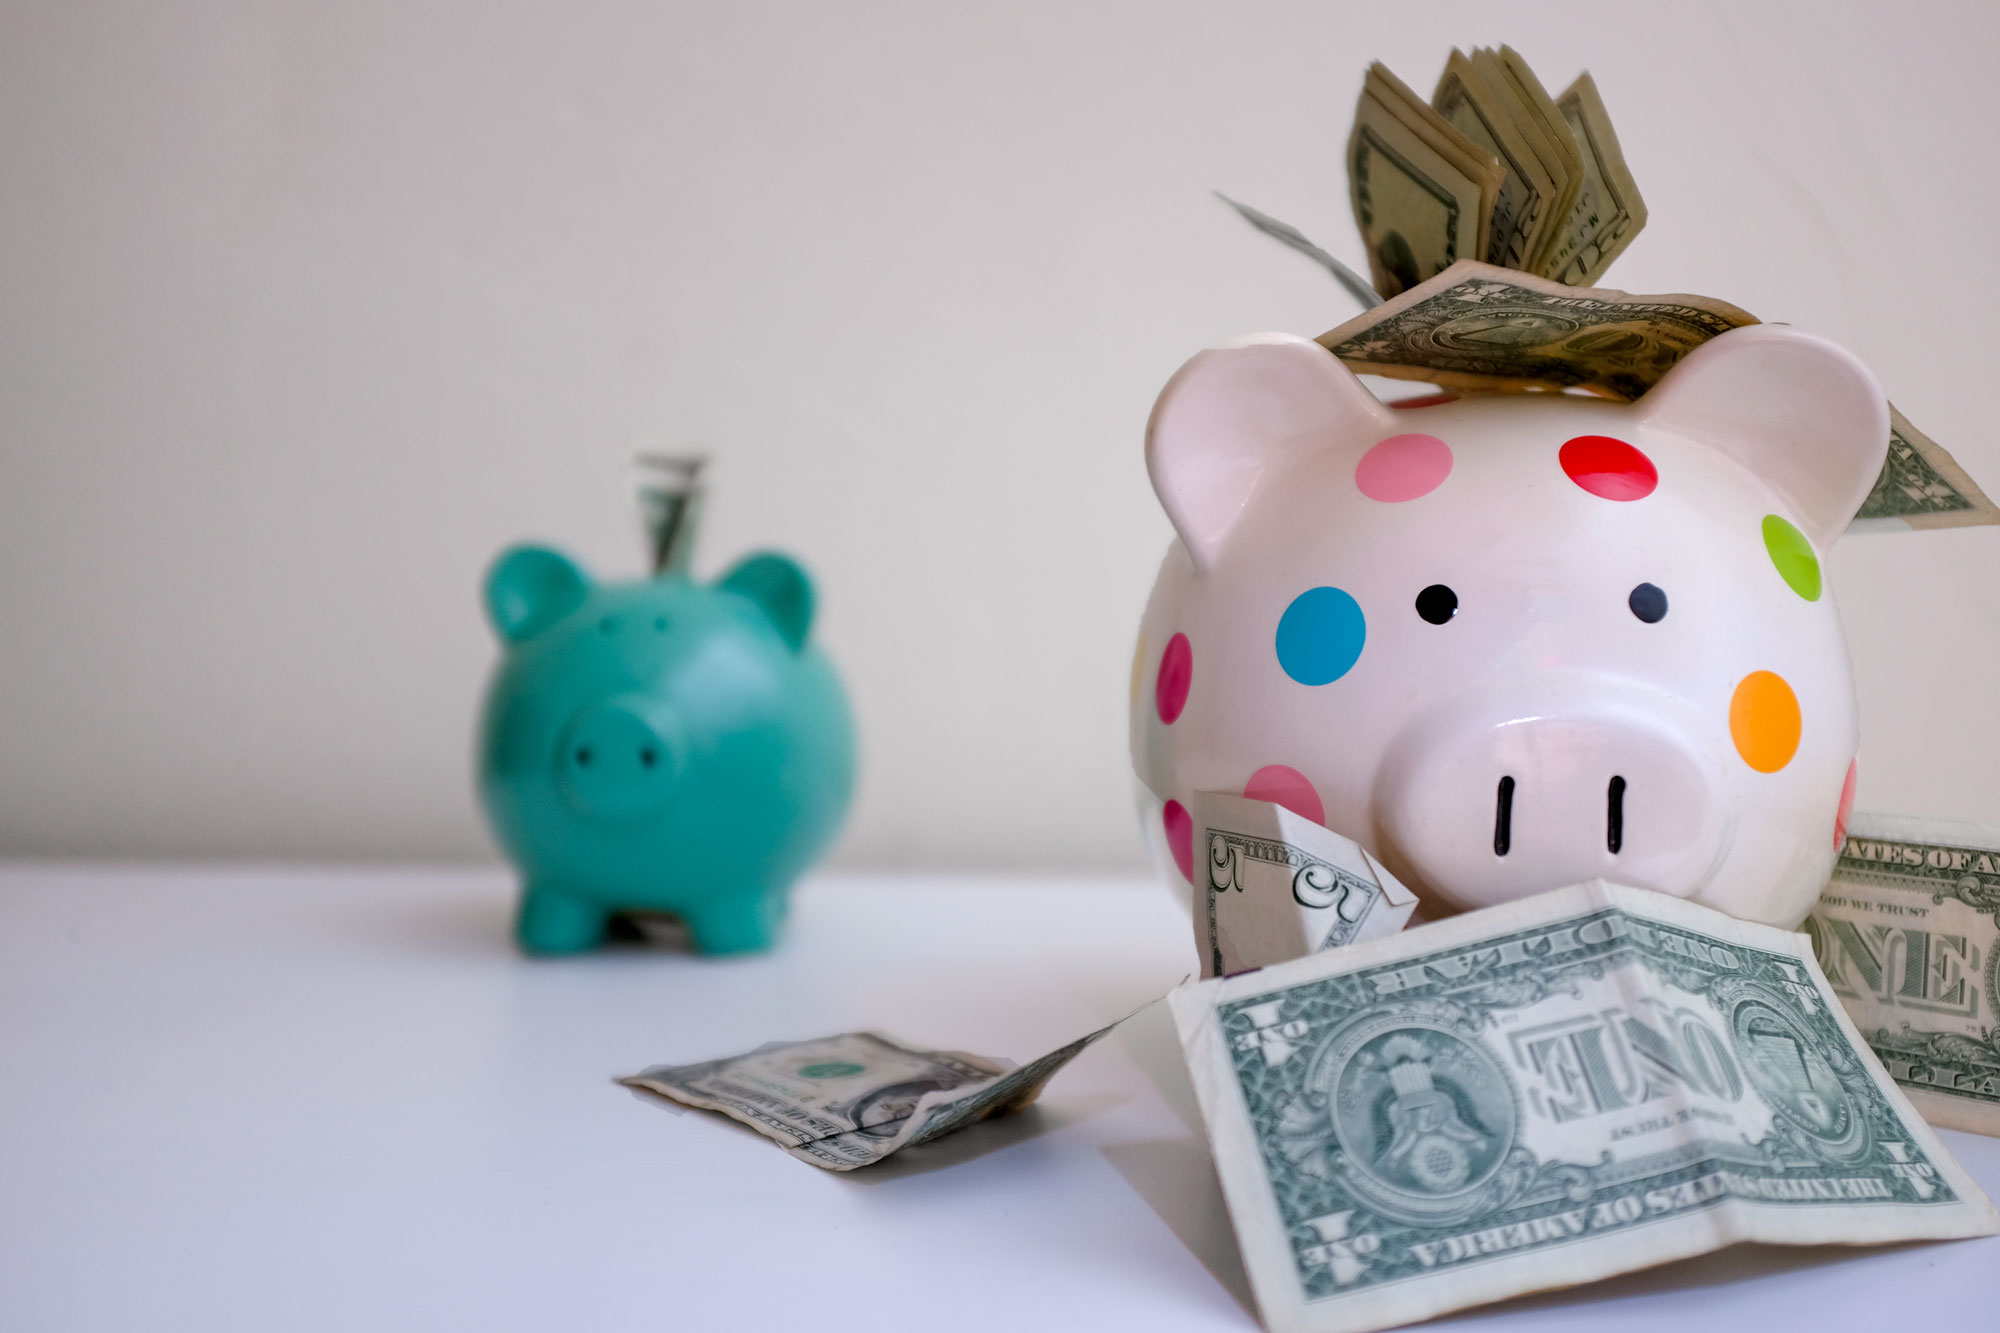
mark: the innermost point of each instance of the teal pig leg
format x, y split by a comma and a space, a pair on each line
553, 922
736, 922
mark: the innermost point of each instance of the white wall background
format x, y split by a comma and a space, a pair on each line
307, 309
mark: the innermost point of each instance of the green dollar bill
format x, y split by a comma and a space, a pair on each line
849, 1101
1544, 1093
1921, 486
1908, 932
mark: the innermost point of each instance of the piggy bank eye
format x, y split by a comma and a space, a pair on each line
1648, 603
1437, 604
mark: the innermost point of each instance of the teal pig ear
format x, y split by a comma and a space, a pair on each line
780, 589
530, 588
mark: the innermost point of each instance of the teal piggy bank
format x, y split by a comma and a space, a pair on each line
659, 745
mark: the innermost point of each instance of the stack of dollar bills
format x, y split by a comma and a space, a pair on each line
1487, 212
1491, 168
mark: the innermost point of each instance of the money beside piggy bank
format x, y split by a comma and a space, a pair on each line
659, 745
1511, 643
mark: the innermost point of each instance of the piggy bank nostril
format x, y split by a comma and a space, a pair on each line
647, 757
1503, 817
1614, 816
583, 756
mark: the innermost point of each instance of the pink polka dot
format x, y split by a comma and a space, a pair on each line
1846, 809
1180, 837
1287, 787
1609, 468
1403, 467
1170, 690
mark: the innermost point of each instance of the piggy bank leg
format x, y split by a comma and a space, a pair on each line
553, 922
733, 921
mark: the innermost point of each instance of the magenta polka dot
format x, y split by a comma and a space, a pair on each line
1287, 787
1845, 811
1180, 837
1170, 689
1403, 467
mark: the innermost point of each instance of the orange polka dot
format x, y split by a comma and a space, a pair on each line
1764, 721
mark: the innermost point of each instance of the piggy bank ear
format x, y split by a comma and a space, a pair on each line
780, 589
1801, 413
530, 588
1235, 414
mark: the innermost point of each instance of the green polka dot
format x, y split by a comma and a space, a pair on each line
1793, 555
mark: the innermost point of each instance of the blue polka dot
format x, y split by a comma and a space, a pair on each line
1320, 636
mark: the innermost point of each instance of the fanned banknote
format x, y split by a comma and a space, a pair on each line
1544, 1093
1491, 168
1423, 193
850, 1101
1284, 232
1908, 932
1524, 209
1274, 886
1921, 487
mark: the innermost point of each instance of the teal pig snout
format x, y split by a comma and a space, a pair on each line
619, 760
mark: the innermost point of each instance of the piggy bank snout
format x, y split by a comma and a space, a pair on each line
1488, 802
619, 759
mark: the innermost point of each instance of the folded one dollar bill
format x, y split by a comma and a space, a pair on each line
1545, 1093
1908, 932
1273, 886
850, 1101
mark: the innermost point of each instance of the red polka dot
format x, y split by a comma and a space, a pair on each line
1840, 816
1170, 690
1180, 837
1287, 787
1608, 468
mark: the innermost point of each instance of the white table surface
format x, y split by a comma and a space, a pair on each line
293, 1100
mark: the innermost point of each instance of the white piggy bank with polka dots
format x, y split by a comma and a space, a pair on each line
1509, 643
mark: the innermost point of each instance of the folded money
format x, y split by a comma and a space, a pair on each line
1423, 193
1545, 1093
1492, 169
1274, 886
1908, 933
849, 1101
